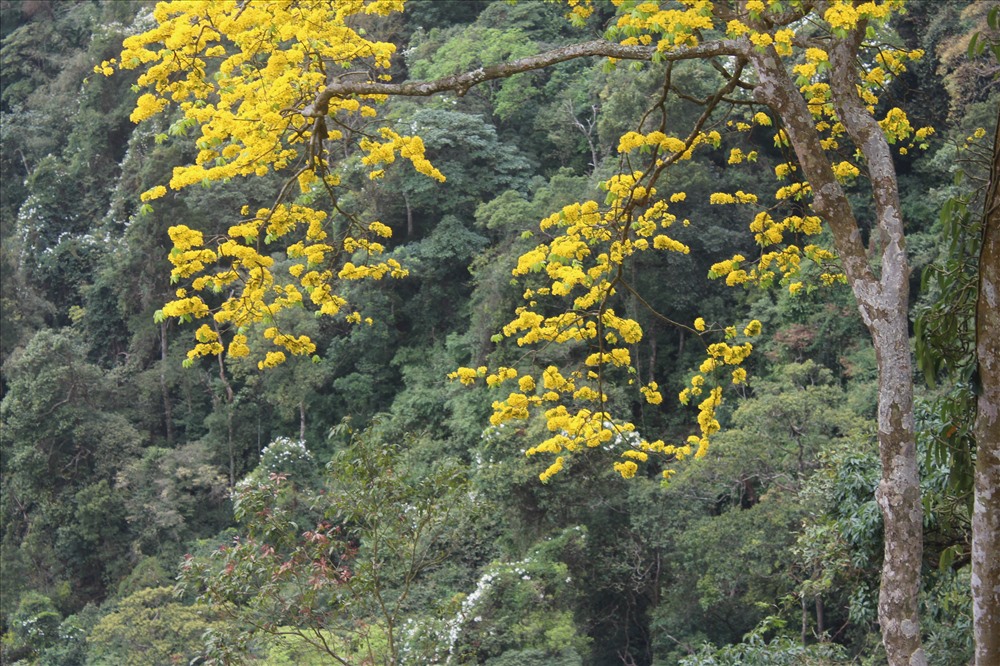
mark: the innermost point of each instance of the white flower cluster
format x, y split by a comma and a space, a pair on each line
283, 452
483, 586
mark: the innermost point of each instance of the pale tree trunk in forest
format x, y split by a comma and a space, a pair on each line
986, 507
820, 619
409, 216
302, 420
883, 303
229, 407
168, 411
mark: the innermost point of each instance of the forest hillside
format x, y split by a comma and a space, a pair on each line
608, 351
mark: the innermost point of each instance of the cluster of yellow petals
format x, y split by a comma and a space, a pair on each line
238, 266
576, 273
239, 70
244, 74
671, 27
666, 143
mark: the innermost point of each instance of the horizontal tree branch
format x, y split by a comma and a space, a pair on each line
460, 83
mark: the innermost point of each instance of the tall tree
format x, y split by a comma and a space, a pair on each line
986, 507
258, 78
960, 332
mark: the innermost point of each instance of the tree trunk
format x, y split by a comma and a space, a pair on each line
804, 637
409, 216
898, 496
986, 508
820, 619
168, 411
230, 406
883, 304
302, 420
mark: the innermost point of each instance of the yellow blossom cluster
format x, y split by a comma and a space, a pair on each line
667, 144
578, 274
718, 356
245, 76
671, 27
237, 265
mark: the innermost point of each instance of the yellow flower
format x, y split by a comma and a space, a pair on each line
153, 193
552, 470
627, 469
651, 393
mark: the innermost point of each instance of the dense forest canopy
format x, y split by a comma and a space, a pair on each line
675, 258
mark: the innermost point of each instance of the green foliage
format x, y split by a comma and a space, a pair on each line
947, 607
34, 627
466, 149
149, 627
172, 496
944, 330
375, 527
291, 649
757, 650
63, 445
518, 612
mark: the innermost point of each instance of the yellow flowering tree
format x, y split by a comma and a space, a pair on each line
242, 75
286, 86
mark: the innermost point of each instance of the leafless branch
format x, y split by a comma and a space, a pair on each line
461, 83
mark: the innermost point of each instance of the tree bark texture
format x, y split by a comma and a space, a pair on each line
986, 507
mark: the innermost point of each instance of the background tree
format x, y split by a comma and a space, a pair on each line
343, 585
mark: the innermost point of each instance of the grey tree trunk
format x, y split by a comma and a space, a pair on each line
986, 507
168, 410
883, 304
